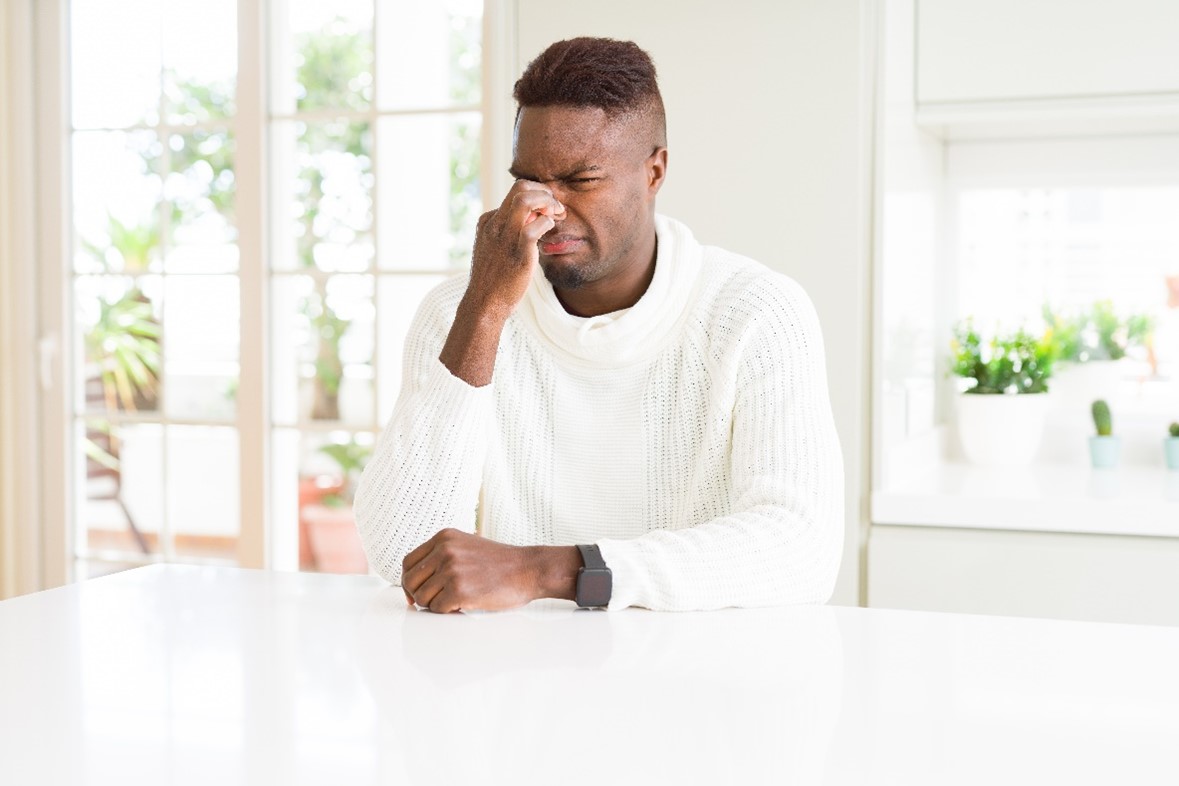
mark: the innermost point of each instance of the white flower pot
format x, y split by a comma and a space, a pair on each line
1001, 430
1105, 452
1171, 452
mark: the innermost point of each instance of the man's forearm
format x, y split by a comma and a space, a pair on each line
471, 345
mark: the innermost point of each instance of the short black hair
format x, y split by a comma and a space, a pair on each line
615, 76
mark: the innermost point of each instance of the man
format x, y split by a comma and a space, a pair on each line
604, 389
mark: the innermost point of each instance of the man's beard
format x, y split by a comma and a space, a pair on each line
561, 277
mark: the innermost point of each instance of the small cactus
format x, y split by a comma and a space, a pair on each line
1174, 430
1102, 419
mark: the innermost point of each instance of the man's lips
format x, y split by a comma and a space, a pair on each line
561, 244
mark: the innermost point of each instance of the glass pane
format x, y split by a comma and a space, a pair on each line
200, 60
119, 338
120, 502
323, 349
430, 201
201, 320
115, 62
326, 221
429, 54
1094, 260
328, 467
398, 298
289, 334
200, 189
116, 190
1065, 246
323, 56
203, 492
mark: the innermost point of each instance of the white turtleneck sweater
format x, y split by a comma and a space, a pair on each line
689, 436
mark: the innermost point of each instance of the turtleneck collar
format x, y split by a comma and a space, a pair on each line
631, 335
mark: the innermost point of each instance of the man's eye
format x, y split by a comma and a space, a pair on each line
583, 180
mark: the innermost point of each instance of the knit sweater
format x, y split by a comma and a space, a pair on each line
690, 437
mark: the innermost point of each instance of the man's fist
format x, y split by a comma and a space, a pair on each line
455, 570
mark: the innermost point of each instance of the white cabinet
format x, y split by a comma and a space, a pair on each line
1099, 578
1012, 50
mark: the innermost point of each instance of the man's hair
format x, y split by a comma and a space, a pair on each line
615, 76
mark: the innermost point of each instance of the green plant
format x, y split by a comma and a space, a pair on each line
1098, 333
1173, 430
1014, 363
124, 342
1102, 418
350, 457
133, 246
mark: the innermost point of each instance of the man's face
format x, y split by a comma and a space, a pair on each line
605, 172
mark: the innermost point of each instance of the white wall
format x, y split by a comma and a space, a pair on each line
769, 155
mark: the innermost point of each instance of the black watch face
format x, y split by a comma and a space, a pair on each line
593, 587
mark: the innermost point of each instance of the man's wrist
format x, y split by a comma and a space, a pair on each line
483, 311
554, 571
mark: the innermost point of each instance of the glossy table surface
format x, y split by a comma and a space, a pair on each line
182, 675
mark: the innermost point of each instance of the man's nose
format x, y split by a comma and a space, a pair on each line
559, 191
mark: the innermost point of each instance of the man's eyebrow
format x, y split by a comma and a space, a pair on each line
581, 168
577, 170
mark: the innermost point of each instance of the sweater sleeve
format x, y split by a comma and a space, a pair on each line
782, 542
427, 466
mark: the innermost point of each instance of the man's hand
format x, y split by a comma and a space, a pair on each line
455, 570
501, 268
506, 246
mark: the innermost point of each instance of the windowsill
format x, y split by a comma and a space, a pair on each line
1130, 500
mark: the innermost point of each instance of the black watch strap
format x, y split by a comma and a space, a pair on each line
595, 582
591, 555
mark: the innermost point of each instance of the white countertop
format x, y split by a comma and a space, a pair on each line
171, 674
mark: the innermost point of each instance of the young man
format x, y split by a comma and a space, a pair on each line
625, 417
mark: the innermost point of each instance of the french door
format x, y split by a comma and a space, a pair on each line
256, 197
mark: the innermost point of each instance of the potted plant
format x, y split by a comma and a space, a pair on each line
1104, 449
328, 522
1171, 446
1002, 407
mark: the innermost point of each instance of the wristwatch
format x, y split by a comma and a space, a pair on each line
595, 582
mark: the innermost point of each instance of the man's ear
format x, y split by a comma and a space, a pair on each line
656, 170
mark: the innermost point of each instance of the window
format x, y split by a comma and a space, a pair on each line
373, 150
1032, 233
